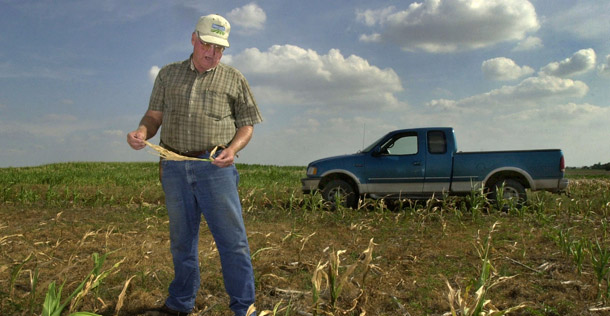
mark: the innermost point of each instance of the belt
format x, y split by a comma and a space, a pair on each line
190, 153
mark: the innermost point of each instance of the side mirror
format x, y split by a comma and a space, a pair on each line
376, 152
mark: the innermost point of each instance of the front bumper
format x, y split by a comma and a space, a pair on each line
309, 185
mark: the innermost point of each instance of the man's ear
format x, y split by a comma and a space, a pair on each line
193, 38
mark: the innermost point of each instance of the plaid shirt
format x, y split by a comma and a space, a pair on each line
202, 110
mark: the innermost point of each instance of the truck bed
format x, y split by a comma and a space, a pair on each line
542, 167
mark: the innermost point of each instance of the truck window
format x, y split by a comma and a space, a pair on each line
437, 143
405, 144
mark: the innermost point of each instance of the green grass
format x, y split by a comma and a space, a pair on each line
91, 184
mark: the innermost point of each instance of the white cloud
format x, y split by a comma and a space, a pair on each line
371, 38
249, 18
443, 104
530, 93
503, 68
530, 115
582, 61
372, 17
451, 25
287, 74
153, 72
530, 43
604, 69
584, 113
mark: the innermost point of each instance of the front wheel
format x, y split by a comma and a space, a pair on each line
342, 192
508, 192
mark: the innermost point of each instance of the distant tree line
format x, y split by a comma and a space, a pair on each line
599, 166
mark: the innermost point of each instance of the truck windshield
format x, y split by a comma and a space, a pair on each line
371, 146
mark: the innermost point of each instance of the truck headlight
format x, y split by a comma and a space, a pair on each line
312, 171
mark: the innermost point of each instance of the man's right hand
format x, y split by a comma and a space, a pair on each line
147, 129
136, 139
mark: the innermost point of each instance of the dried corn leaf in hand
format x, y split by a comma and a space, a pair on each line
170, 155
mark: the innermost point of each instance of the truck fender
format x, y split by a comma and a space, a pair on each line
509, 173
340, 174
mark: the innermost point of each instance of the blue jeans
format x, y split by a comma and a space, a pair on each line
193, 188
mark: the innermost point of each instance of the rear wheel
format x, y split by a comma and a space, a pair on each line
342, 192
508, 192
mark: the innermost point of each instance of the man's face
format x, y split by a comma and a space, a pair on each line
205, 56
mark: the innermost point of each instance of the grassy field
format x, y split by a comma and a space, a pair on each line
93, 237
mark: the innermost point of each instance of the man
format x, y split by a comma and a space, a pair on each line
203, 103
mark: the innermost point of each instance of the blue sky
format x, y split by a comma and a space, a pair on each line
329, 76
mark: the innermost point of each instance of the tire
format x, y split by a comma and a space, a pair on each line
513, 192
342, 190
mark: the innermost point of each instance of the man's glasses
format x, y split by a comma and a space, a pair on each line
206, 46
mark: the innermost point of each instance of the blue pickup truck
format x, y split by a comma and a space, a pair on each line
422, 162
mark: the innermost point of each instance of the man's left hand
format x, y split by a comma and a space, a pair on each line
225, 158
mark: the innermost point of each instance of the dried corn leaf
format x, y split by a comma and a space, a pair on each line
170, 155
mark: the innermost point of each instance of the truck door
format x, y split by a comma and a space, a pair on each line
438, 163
397, 166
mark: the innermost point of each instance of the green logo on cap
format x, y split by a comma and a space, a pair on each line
218, 32
218, 29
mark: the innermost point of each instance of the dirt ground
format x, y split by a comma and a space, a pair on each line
414, 256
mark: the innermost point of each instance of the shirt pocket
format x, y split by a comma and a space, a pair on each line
216, 105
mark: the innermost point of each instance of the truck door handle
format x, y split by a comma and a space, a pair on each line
417, 163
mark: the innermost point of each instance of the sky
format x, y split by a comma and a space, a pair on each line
329, 77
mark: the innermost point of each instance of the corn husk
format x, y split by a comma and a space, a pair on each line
170, 155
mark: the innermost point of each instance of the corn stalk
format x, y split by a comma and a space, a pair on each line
336, 282
53, 305
478, 304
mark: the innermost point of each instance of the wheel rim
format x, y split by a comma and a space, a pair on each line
510, 193
338, 191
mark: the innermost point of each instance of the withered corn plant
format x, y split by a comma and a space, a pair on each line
53, 304
600, 259
332, 284
478, 304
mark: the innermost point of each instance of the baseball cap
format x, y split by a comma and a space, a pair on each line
213, 29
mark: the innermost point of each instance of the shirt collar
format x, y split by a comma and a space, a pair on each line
192, 66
